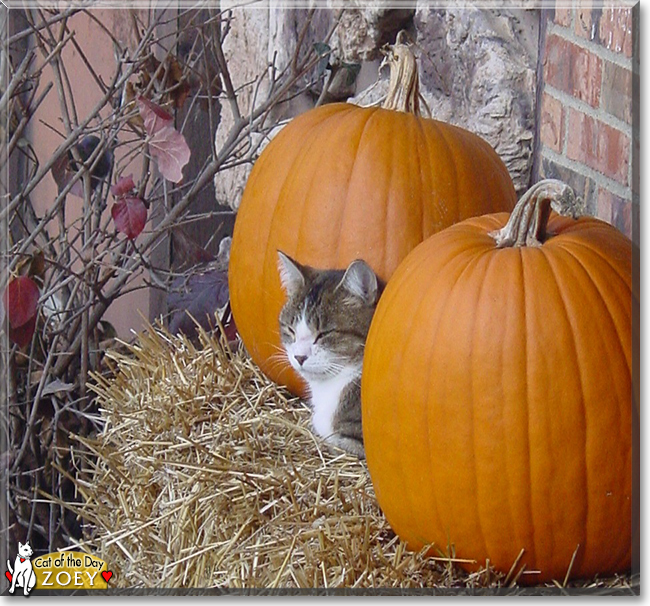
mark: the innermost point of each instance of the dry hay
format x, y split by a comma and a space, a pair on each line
207, 475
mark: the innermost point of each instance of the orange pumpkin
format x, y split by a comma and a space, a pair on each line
497, 392
342, 182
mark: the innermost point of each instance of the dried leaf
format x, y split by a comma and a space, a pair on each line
130, 95
130, 216
37, 265
169, 78
171, 82
166, 144
32, 265
186, 251
57, 386
179, 87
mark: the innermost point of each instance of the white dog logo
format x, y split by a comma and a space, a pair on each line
22, 573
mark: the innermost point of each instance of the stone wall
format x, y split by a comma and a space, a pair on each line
477, 68
589, 131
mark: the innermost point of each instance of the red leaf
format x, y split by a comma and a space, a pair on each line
124, 186
130, 216
169, 147
166, 144
20, 300
150, 110
22, 335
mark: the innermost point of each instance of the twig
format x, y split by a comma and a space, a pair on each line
225, 74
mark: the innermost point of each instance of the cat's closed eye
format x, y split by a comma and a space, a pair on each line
288, 331
323, 333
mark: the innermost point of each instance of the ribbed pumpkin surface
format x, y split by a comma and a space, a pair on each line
497, 404
342, 182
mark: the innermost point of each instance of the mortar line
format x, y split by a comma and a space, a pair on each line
597, 114
618, 189
596, 48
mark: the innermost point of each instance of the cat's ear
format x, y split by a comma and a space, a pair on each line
291, 274
361, 281
20, 545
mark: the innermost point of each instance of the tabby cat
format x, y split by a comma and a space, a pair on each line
323, 329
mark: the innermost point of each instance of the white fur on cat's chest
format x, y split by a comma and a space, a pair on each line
325, 398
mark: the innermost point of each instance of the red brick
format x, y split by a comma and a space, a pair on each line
562, 17
615, 30
615, 210
552, 123
610, 27
556, 67
605, 204
586, 22
573, 69
598, 146
616, 92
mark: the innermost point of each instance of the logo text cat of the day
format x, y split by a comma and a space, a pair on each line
71, 570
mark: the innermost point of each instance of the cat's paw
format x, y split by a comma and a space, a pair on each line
350, 445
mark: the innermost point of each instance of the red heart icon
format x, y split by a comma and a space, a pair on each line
9, 576
107, 574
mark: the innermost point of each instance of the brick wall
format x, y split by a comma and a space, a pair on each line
588, 124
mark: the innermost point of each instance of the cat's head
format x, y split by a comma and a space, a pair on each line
325, 321
25, 551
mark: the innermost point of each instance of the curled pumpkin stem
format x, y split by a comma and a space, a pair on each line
529, 219
404, 86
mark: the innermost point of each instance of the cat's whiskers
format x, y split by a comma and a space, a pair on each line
277, 363
334, 369
276, 347
278, 359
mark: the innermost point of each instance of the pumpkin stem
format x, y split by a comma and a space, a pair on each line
404, 86
527, 223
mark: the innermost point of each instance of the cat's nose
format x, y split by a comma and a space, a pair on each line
301, 359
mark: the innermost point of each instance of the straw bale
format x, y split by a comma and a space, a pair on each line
206, 474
